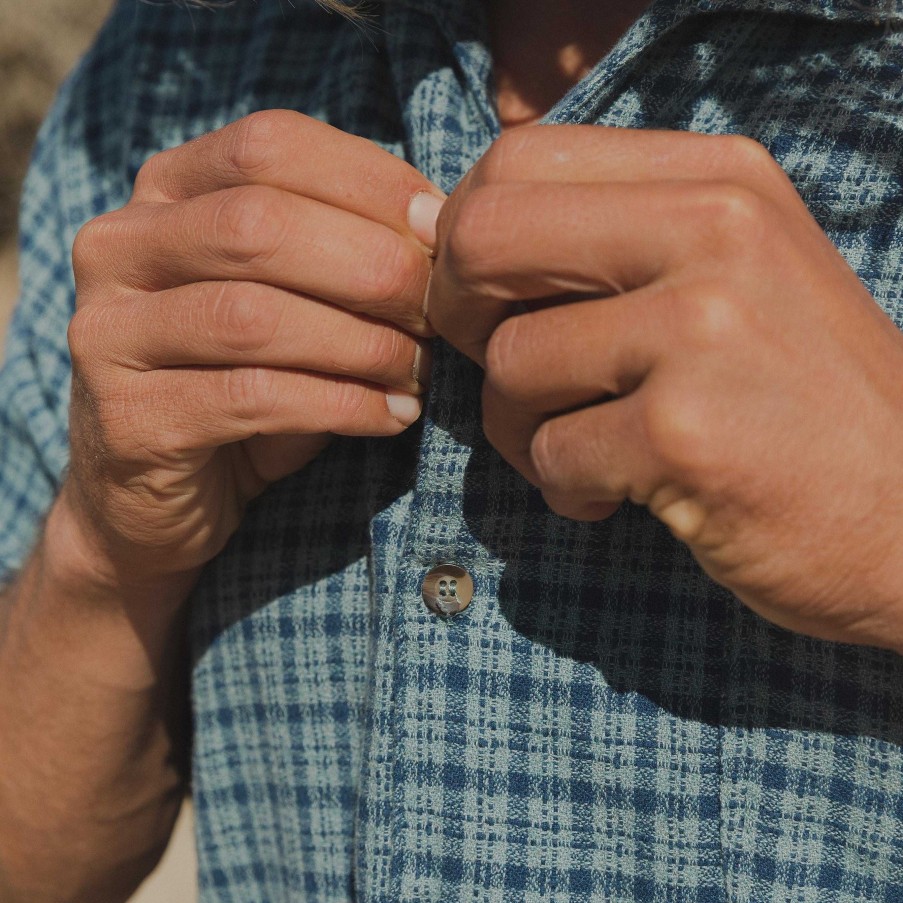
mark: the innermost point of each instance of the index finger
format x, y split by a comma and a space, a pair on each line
288, 150
600, 154
597, 153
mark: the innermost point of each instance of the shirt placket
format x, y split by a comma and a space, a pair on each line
442, 71
440, 662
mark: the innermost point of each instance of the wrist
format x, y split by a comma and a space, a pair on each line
98, 623
94, 706
75, 559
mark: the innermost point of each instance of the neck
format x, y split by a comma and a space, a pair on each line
542, 48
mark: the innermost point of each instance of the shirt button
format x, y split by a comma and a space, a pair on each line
447, 590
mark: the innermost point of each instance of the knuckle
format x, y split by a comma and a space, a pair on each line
505, 153
712, 319
504, 351
546, 449
345, 403
80, 336
734, 217
385, 350
679, 433
240, 319
250, 392
249, 152
246, 225
82, 248
91, 243
745, 154
393, 268
86, 333
470, 247
151, 177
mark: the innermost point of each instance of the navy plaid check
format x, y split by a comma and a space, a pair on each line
603, 722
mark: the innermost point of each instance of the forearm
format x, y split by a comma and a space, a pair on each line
92, 699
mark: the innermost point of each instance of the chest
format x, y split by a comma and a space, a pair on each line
602, 722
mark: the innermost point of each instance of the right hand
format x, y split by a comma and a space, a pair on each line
261, 291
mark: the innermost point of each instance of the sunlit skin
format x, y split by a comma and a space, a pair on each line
690, 376
541, 48
211, 358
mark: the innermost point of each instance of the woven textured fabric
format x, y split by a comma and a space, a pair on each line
603, 722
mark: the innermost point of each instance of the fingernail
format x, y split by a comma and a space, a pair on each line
423, 211
422, 366
403, 407
424, 309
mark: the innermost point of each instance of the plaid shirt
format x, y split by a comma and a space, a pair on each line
603, 722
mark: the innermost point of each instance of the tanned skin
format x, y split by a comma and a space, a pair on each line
211, 358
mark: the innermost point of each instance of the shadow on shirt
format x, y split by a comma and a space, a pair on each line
625, 598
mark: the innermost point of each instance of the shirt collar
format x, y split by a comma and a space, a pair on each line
866, 12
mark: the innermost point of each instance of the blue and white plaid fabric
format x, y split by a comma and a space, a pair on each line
603, 723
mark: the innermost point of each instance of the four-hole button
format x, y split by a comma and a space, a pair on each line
447, 590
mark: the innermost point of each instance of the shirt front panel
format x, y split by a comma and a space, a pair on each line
603, 722
640, 675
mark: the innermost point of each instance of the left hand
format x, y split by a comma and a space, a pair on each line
687, 338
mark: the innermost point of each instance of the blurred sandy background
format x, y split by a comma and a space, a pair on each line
39, 42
